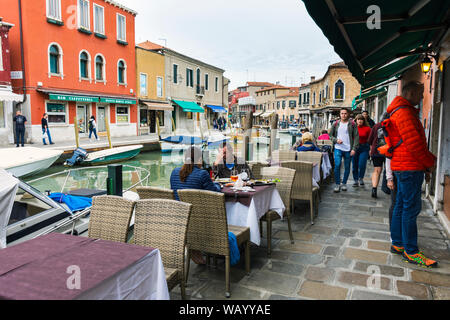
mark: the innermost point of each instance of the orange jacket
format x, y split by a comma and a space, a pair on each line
413, 153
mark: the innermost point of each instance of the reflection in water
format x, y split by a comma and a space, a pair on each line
160, 166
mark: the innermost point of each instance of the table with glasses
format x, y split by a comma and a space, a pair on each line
65, 267
247, 208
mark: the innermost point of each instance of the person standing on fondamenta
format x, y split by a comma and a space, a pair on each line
411, 162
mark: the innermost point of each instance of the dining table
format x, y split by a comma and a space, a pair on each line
246, 208
65, 267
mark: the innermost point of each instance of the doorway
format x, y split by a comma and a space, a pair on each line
82, 119
152, 116
101, 119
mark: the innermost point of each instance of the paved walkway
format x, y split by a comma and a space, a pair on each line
333, 259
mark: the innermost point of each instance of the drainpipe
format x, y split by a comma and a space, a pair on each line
22, 58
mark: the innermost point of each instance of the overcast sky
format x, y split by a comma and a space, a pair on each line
252, 40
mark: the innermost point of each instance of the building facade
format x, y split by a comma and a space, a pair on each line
266, 102
155, 111
287, 106
191, 82
79, 61
303, 105
7, 97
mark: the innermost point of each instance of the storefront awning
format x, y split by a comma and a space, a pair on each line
10, 96
405, 29
257, 114
188, 106
84, 96
370, 94
158, 106
217, 108
267, 114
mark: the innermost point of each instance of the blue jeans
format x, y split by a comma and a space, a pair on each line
407, 207
338, 155
20, 135
360, 162
93, 131
48, 134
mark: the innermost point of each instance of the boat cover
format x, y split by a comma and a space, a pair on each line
8, 190
183, 140
73, 202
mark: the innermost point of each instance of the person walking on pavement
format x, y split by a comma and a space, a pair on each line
45, 129
362, 152
219, 123
366, 116
92, 128
377, 159
20, 121
345, 137
411, 162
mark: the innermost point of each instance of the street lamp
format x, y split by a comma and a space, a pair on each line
425, 65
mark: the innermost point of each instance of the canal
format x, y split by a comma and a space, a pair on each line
160, 166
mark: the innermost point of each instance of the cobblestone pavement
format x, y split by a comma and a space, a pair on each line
334, 258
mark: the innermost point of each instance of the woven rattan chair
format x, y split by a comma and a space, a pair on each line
208, 229
162, 224
284, 187
256, 169
110, 218
302, 188
283, 155
155, 193
314, 157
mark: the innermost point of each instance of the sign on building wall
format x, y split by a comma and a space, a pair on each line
16, 75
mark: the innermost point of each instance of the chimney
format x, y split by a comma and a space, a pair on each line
313, 78
278, 83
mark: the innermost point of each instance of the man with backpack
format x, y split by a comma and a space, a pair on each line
345, 136
411, 161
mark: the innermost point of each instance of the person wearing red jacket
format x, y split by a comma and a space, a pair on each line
411, 161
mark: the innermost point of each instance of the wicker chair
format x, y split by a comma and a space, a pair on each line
302, 188
284, 187
314, 157
155, 193
256, 169
162, 224
110, 218
208, 229
283, 155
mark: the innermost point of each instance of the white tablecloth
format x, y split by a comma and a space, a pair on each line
316, 175
144, 280
240, 215
326, 165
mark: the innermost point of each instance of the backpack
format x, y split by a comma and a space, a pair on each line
384, 145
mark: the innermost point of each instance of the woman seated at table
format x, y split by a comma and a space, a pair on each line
226, 162
324, 135
307, 143
191, 175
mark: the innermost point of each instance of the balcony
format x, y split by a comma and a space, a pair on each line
199, 90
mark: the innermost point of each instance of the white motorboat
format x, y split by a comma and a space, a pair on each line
27, 161
261, 140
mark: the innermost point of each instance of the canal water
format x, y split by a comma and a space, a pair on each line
159, 165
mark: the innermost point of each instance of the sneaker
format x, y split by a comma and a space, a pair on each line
45, 144
337, 189
344, 187
52, 143
420, 260
361, 182
397, 250
356, 184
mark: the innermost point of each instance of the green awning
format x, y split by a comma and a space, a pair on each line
118, 101
407, 28
61, 97
370, 94
188, 106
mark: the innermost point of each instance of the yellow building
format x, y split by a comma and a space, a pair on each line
153, 104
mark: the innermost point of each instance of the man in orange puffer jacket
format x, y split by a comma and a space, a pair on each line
410, 162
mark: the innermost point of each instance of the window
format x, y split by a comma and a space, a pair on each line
99, 68
308, 97
175, 73
320, 97
327, 92
143, 84
189, 78
217, 84
84, 65
55, 57
278, 105
314, 98
159, 87
2, 115
206, 82
99, 19
300, 99
339, 90
56, 112
83, 13
284, 104
292, 104
122, 114
54, 9
121, 72
121, 28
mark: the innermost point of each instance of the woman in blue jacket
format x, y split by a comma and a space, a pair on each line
307, 143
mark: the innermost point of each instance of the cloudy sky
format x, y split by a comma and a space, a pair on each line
252, 40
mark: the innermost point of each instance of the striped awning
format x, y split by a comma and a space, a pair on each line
158, 106
10, 96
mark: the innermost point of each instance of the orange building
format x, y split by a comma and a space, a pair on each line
76, 59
